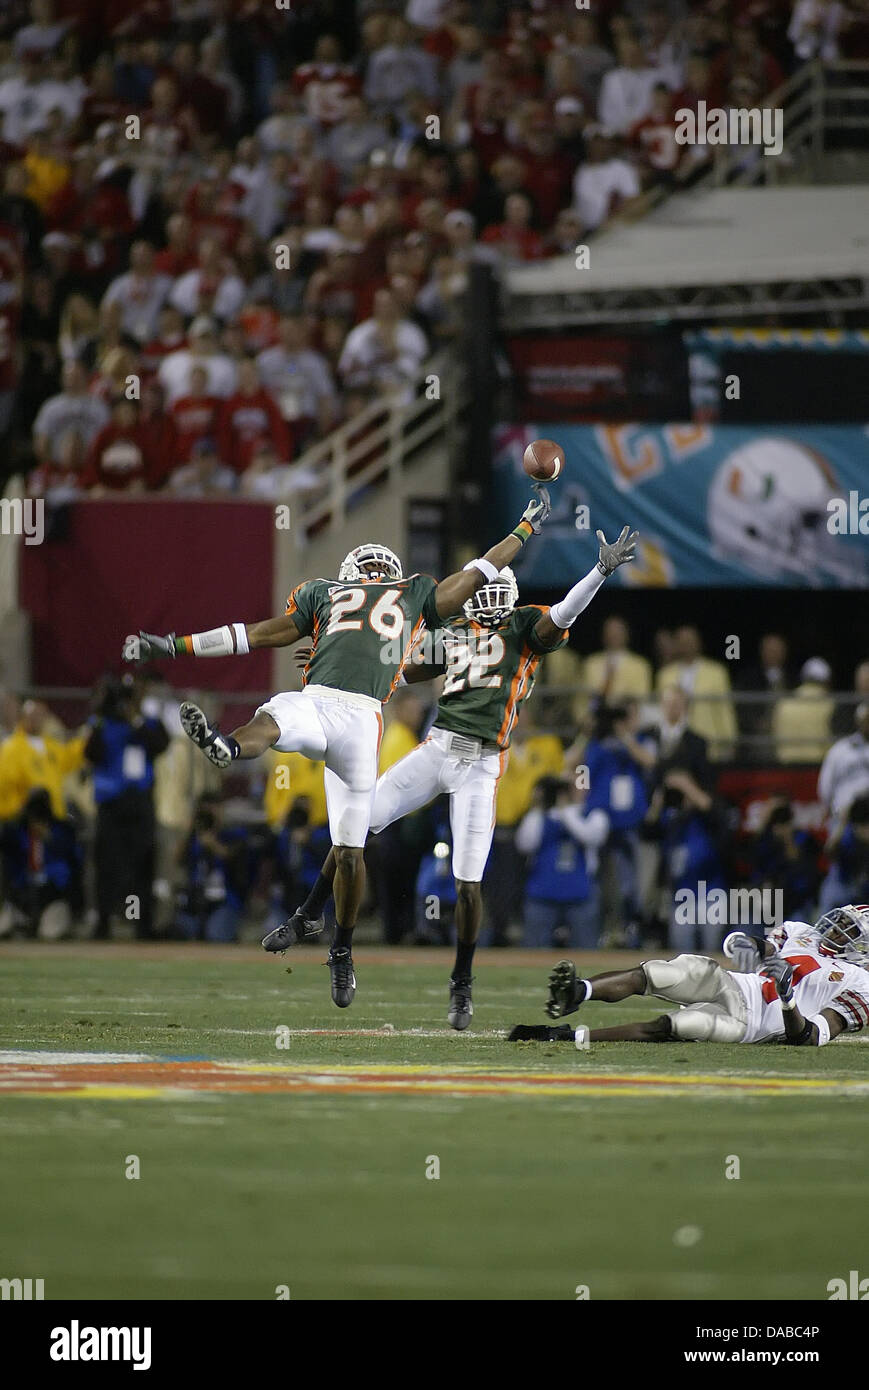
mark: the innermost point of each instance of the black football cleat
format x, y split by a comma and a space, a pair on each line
296, 928
461, 1005
343, 977
540, 1032
566, 993
205, 735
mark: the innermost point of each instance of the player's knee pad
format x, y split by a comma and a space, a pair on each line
682, 979
659, 975
707, 1023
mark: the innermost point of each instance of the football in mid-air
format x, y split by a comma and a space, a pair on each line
543, 460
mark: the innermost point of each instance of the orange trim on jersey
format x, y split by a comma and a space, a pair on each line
543, 610
517, 687
414, 637
187, 643
314, 635
291, 601
502, 765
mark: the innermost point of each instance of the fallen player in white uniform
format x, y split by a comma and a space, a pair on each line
802, 985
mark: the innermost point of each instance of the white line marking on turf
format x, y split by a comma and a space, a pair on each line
73, 1059
385, 1031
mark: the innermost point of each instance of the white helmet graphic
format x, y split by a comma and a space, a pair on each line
492, 603
767, 510
370, 561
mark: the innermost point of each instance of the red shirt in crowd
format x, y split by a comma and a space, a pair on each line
656, 138
153, 353
10, 316
174, 263
259, 324
522, 242
549, 181
194, 418
160, 440
118, 457
245, 421
324, 87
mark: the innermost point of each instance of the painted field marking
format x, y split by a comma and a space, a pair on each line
135, 1076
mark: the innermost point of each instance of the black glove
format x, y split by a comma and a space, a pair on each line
146, 647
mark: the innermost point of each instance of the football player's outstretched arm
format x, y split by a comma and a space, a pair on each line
456, 589
564, 614
233, 639
799, 1030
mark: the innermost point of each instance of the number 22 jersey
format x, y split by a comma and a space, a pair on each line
489, 672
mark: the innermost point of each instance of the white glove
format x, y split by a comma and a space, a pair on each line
743, 951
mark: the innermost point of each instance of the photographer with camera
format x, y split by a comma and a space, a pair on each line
214, 862
562, 838
786, 860
847, 849
41, 862
691, 829
619, 759
121, 748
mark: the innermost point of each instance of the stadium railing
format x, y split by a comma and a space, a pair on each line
376, 445
825, 106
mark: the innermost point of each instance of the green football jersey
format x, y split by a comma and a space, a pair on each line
362, 633
489, 672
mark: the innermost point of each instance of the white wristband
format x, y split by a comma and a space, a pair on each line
485, 567
823, 1028
220, 641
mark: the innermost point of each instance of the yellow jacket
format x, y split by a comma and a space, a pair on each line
801, 724
563, 668
398, 740
290, 776
542, 755
46, 176
711, 713
181, 776
27, 762
631, 680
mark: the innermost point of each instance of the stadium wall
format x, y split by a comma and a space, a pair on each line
157, 565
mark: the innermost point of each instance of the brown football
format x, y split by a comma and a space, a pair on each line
543, 460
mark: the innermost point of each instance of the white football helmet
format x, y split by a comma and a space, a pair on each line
368, 563
844, 932
767, 511
495, 601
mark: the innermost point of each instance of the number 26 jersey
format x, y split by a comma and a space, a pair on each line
362, 633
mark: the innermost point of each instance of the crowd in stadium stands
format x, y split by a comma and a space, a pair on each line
263, 214
123, 827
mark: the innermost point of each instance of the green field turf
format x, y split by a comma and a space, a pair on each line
328, 1194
